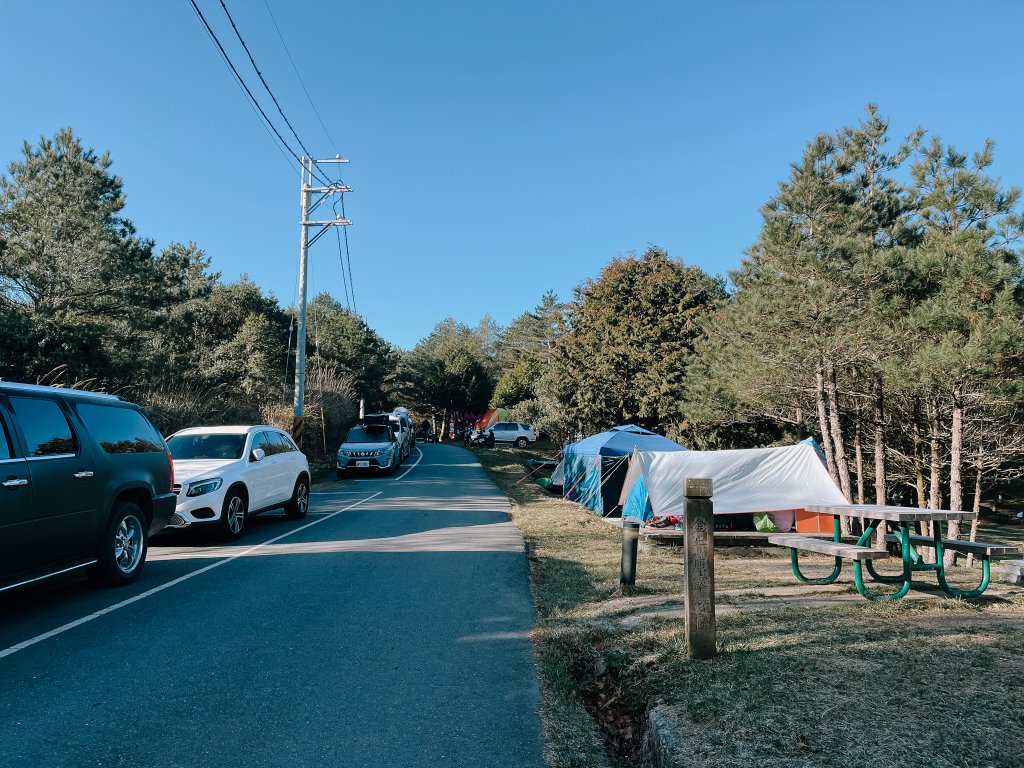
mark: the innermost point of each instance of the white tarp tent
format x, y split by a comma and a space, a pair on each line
753, 480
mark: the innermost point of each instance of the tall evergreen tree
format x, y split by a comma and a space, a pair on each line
344, 340
630, 334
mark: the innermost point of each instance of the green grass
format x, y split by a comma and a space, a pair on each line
932, 683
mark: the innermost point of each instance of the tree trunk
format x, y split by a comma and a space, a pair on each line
956, 445
935, 488
881, 484
827, 444
858, 460
826, 438
842, 465
922, 497
976, 506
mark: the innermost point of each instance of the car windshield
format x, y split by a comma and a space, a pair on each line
206, 446
370, 433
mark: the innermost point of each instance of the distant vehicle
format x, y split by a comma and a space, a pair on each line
403, 429
369, 446
513, 432
226, 475
410, 424
85, 479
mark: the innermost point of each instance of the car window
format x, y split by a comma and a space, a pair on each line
268, 443
280, 442
525, 427
260, 440
206, 446
120, 430
44, 426
367, 433
5, 442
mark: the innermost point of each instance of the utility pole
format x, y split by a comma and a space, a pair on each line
308, 207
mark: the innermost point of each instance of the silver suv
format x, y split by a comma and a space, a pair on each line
520, 435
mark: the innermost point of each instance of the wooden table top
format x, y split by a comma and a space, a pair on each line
890, 513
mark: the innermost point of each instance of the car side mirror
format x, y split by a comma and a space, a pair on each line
259, 454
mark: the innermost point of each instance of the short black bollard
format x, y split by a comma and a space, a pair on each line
701, 638
630, 537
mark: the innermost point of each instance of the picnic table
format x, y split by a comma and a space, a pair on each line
863, 554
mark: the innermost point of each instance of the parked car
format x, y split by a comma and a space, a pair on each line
520, 435
402, 427
225, 475
408, 424
85, 480
369, 446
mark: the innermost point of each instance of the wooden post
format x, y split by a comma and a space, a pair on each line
699, 546
630, 538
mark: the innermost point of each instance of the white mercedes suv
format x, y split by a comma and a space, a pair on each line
223, 475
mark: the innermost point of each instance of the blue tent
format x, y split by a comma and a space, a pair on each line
595, 467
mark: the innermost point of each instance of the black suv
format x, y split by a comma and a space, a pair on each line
85, 478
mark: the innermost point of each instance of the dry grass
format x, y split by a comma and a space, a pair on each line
922, 684
932, 683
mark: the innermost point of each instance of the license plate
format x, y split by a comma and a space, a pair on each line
362, 463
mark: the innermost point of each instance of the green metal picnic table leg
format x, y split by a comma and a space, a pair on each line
794, 559
858, 574
865, 541
940, 572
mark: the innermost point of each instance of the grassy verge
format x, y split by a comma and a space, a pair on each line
926, 683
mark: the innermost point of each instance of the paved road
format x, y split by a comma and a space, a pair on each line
386, 629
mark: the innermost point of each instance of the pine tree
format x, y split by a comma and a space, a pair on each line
630, 334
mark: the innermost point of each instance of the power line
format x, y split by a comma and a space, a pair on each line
241, 87
241, 82
341, 258
330, 139
270, 92
346, 258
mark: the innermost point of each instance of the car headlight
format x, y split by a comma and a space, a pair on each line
342, 452
204, 486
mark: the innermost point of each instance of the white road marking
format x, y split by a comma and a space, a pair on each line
410, 469
333, 493
149, 593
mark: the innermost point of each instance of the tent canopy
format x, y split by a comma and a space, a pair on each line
594, 468
622, 441
754, 480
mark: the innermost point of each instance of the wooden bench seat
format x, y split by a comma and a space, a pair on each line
967, 547
836, 549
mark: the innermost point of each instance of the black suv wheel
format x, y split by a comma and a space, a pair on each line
122, 551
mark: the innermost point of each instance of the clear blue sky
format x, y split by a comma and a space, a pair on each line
498, 149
